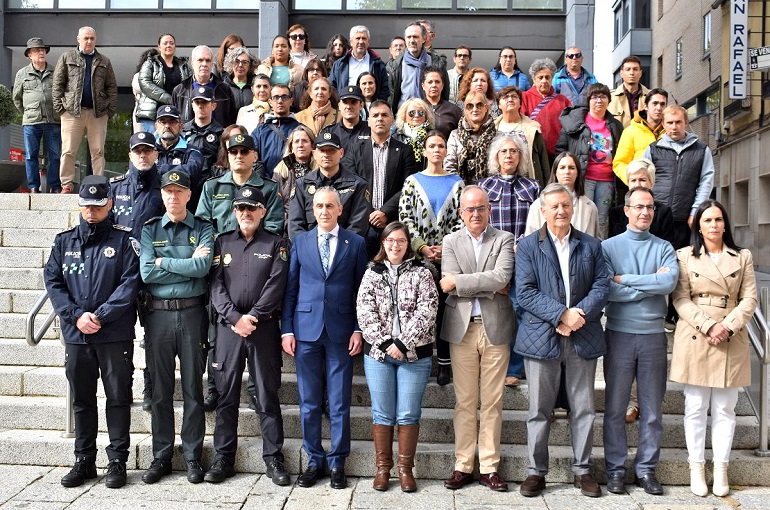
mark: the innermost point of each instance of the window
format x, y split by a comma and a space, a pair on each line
707, 33
626, 16
642, 14
480, 5
618, 22
659, 73
679, 59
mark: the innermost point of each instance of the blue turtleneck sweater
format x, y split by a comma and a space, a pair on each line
638, 303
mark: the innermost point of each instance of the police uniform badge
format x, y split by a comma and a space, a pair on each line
246, 193
141, 136
109, 252
311, 189
283, 253
176, 161
367, 195
92, 190
239, 138
327, 136
166, 109
201, 90
210, 138
173, 177
137, 247
226, 259
215, 261
192, 239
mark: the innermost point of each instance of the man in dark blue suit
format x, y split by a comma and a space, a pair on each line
319, 327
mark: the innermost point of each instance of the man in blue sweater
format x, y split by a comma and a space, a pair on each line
644, 270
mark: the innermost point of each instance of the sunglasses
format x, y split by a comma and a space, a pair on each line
250, 208
235, 152
573, 55
417, 113
282, 97
475, 106
298, 37
462, 55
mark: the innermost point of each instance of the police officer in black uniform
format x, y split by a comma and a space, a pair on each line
176, 253
356, 203
203, 133
173, 151
351, 128
92, 278
136, 199
247, 283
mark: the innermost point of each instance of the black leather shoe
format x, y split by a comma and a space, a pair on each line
252, 402
84, 469
194, 471
616, 483
309, 477
650, 484
278, 473
219, 471
157, 470
444, 375
147, 402
210, 402
116, 475
339, 480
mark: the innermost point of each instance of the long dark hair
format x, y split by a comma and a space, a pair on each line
389, 229
499, 67
222, 160
329, 58
696, 238
151, 52
580, 188
376, 83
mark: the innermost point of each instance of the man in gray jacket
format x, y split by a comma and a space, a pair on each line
32, 97
85, 94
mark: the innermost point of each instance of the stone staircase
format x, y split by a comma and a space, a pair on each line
33, 385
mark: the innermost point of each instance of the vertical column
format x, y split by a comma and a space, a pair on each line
273, 20
579, 29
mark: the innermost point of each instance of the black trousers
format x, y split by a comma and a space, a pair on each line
177, 333
83, 364
262, 349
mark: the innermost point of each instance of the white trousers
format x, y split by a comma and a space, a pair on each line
696, 405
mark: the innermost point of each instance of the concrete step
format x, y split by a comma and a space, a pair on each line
38, 237
39, 202
23, 257
13, 325
22, 279
21, 301
432, 461
437, 424
37, 219
52, 382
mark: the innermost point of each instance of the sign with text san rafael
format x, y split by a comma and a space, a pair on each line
739, 40
759, 58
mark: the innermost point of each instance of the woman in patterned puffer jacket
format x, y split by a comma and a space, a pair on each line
396, 309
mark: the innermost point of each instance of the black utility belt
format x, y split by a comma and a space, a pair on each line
178, 304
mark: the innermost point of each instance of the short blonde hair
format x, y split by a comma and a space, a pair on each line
675, 108
641, 165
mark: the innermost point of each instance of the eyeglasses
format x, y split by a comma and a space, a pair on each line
239, 62
142, 150
462, 55
640, 208
298, 37
475, 106
510, 151
599, 97
507, 57
235, 152
167, 121
573, 55
510, 97
391, 242
282, 97
250, 208
417, 113
478, 209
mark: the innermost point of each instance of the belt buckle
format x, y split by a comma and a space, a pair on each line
167, 304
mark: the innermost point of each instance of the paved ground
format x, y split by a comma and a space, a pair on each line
33, 487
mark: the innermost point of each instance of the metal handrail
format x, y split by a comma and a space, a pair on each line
759, 336
34, 337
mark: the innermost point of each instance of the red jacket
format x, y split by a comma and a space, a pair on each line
548, 117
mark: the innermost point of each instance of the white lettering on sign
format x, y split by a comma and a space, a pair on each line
738, 48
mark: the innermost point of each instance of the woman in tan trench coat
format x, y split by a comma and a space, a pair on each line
715, 297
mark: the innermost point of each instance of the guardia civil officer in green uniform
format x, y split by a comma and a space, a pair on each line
247, 286
176, 253
216, 205
92, 277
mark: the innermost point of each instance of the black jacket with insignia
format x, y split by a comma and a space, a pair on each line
136, 198
355, 199
249, 277
93, 268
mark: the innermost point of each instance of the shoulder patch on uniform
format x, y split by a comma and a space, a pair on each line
121, 227
293, 191
283, 252
153, 220
367, 196
136, 245
119, 178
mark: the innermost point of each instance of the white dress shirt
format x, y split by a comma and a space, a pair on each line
477, 243
562, 252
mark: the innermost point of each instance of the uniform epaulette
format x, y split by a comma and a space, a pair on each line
203, 219
152, 220
124, 228
118, 178
69, 229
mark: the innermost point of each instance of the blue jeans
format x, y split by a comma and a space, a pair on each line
601, 193
516, 361
396, 388
50, 133
642, 356
148, 126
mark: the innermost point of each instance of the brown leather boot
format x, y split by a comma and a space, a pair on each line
383, 455
407, 444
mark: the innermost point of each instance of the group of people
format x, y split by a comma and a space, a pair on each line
492, 229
